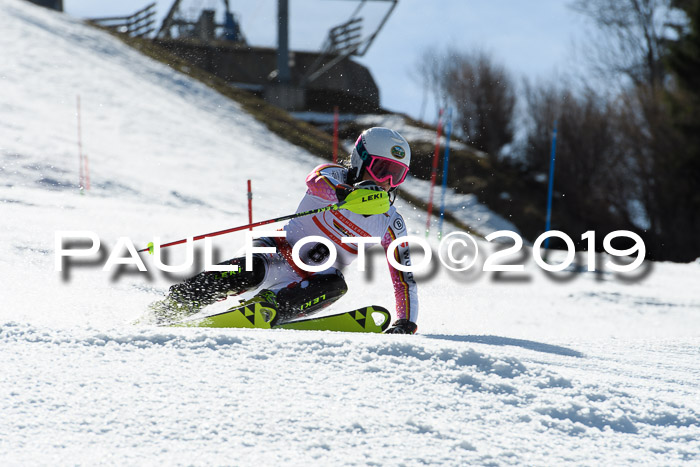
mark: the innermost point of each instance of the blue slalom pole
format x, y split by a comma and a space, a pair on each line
448, 134
551, 183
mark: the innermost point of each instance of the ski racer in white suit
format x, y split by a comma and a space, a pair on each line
379, 161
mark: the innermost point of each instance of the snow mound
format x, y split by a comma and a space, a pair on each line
186, 396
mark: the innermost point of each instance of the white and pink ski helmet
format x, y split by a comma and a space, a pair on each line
383, 153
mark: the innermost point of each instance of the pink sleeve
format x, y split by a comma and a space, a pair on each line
322, 181
405, 289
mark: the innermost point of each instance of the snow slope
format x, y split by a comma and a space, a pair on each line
517, 368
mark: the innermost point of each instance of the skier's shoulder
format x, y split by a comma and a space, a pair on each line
330, 169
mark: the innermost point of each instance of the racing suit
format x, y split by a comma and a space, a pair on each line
297, 291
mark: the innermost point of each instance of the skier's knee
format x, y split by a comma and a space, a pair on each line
310, 295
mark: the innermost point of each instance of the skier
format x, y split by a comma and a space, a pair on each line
379, 161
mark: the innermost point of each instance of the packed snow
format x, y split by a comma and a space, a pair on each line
534, 368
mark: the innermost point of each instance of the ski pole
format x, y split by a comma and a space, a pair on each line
359, 201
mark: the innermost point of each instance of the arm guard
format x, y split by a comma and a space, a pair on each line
323, 180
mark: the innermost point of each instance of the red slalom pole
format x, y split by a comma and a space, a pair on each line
335, 134
250, 204
87, 173
81, 180
84, 183
433, 173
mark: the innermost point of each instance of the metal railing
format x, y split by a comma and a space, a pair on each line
140, 24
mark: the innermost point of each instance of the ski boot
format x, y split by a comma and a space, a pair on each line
206, 288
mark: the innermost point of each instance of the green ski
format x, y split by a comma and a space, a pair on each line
248, 315
374, 319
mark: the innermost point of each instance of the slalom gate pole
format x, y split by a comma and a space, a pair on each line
81, 176
87, 173
250, 204
361, 201
448, 135
433, 173
335, 134
551, 183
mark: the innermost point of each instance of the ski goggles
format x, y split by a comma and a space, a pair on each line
382, 169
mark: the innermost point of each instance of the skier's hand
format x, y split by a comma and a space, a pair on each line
342, 190
402, 326
365, 198
368, 185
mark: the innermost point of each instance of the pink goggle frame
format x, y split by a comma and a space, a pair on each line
382, 169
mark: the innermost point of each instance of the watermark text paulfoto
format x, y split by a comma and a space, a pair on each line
457, 251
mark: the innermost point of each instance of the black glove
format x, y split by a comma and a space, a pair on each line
402, 326
368, 185
342, 190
